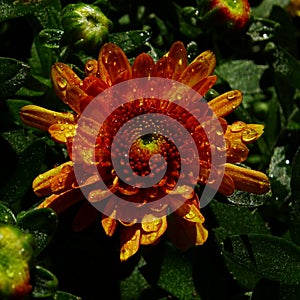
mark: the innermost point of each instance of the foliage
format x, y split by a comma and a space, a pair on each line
253, 251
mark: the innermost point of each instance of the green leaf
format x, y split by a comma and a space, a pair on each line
42, 59
130, 40
44, 283
65, 296
51, 38
233, 220
262, 30
280, 174
283, 64
253, 253
242, 74
242, 198
14, 106
6, 215
13, 73
29, 164
41, 223
295, 204
170, 272
264, 9
237, 220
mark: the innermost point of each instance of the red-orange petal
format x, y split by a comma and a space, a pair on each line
113, 64
60, 203
142, 66
164, 68
179, 56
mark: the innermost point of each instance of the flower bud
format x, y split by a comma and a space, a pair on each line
230, 14
15, 256
85, 26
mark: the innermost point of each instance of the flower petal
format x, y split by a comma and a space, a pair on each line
130, 241
205, 84
54, 180
248, 180
184, 234
109, 223
91, 67
164, 68
63, 77
208, 57
41, 118
61, 202
113, 64
61, 132
179, 55
153, 229
226, 103
142, 66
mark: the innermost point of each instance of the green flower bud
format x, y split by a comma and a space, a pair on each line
15, 258
230, 14
85, 26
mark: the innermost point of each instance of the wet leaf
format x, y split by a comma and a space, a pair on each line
280, 174
130, 40
45, 283
265, 7
6, 215
65, 296
13, 73
242, 74
41, 223
51, 38
295, 204
29, 164
262, 30
253, 253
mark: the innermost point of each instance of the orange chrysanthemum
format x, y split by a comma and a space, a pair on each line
185, 224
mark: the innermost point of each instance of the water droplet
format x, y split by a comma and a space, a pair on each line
237, 126
249, 135
232, 95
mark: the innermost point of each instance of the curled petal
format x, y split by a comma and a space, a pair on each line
142, 66
252, 132
91, 67
62, 78
51, 180
152, 229
179, 55
226, 103
248, 180
130, 241
190, 212
109, 223
41, 118
61, 132
113, 64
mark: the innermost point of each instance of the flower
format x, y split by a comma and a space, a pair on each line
184, 225
232, 14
